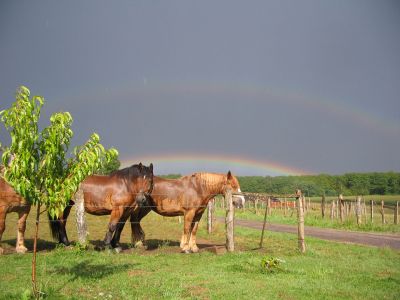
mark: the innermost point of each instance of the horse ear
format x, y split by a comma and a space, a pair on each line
140, 166
151, 167
229, 175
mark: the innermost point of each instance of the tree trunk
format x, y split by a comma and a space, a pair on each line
80, 217
34, 280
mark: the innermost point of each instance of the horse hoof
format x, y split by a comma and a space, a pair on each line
21, 249
195, 250
186, 251
1, 251
139, 245
117, 249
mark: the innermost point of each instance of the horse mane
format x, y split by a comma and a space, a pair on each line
211, 181
127, 173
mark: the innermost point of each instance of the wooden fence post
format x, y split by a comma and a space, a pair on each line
341, 210
269, 205
332, 209
372, 211
365, 210
383, 212
396, 213
337, 209
230, 244
81, 224
300, 221
358, 211
210, 210
285, 206
256, 205
323, 206
264, 223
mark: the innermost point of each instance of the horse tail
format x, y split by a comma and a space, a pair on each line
57, 224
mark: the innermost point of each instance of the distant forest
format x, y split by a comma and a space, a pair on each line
387, 183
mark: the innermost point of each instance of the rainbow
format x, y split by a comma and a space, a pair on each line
197, 162
252, 92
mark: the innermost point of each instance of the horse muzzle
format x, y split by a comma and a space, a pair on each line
141, 199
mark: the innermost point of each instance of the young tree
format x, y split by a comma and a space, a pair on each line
36, 164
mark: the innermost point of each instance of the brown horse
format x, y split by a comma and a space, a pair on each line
187, 196
117, 194
10, 201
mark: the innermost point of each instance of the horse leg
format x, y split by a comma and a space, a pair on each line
3, 212
62, 236
112, 226
23, 215
138, 235
194, 227
118, 230
189, 215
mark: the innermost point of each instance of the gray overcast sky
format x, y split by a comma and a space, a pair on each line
310, 85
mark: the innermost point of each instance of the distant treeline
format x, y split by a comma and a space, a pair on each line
387, 183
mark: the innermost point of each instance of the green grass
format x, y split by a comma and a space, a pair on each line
328, 270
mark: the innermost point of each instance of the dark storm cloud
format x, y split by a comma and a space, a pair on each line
174, 76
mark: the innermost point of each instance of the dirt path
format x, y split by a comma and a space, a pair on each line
364, 238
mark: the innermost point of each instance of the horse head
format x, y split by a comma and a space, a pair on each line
233, 183
142, 185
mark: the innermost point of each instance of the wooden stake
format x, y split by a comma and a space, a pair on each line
372, 211
323, 206
358, 211
341, 210
383, 212
269, 205
34, 280
396, 213
264, 223
332, 209
300, 221
230, 244
210, 216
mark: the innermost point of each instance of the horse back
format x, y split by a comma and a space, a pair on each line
102, 193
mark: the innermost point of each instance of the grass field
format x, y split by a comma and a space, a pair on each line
327, 271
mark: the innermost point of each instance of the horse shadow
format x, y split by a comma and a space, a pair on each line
87, 269
42, 245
